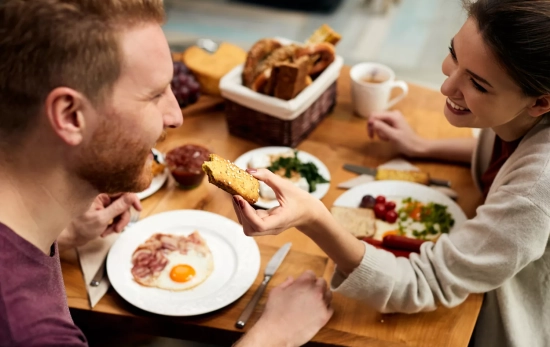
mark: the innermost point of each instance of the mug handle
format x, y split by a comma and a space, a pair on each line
404, 87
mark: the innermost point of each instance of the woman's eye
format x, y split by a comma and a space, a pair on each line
478, 86
452, 52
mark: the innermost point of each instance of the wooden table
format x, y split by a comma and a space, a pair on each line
339, 139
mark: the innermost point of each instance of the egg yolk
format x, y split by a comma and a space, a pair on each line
182, 273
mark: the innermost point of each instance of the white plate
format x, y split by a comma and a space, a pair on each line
305, 157
399, 190
236, 263
157, 182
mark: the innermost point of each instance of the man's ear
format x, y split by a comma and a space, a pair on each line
65, 111
540, 107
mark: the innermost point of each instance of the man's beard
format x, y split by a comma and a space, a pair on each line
115, 161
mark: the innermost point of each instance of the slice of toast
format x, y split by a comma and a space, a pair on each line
291, 78
399, 175
324, 34
231, 178
360, 222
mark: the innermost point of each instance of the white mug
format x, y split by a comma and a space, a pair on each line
371, 86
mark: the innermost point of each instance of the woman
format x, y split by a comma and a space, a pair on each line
498, 73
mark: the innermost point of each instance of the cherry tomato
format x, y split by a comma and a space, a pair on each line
368, 201
380, 211
380, 199
391, 216
390, 205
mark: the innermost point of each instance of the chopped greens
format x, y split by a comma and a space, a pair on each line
307, 170
434, 218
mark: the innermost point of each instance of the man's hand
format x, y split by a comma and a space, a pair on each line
106, 215
295, 311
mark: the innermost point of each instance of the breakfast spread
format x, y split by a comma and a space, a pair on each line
185, 164
172, 262
287, 165
283, 71
229, 177
408, 217
397, 225
209, 68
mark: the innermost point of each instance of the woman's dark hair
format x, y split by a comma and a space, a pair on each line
518, 33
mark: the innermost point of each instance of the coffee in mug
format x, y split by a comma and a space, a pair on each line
371, 86
372, 79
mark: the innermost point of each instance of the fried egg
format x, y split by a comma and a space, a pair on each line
185, 271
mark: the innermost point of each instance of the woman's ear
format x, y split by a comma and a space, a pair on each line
540, 107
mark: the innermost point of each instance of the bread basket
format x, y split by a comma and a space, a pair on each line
270, 121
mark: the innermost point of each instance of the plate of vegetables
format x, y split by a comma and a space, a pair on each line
405, 209
303, 169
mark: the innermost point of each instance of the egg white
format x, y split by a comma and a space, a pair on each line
203, 265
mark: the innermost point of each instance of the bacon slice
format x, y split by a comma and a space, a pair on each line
149, 259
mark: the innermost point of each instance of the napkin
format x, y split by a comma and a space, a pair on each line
91, 257
395, 164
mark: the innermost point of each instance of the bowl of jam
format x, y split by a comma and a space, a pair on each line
185, 164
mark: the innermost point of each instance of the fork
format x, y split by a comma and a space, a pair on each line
96, 280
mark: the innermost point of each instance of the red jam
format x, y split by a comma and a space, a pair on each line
185, 164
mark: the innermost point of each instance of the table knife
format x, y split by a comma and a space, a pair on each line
269, 271
99, 274
372, 172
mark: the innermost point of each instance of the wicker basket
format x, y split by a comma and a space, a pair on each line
265, 129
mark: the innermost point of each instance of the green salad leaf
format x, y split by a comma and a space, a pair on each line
307, 170
434, 217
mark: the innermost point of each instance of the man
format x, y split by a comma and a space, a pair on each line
84, 95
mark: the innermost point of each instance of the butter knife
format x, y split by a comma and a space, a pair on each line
372, 172
269, 271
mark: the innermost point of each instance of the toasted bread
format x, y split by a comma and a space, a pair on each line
156, 168
411, 176
324, 34
291, 78
229, 177
360, 222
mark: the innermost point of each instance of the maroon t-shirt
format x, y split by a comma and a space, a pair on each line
33, 303
502, 150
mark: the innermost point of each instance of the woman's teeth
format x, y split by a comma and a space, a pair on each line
455, 106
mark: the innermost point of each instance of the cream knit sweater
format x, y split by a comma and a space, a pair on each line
503, 252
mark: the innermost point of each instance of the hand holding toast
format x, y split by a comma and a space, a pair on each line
296, 207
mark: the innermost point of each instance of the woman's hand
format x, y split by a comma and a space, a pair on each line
297, 207
391, 126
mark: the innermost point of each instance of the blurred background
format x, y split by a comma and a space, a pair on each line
411, 36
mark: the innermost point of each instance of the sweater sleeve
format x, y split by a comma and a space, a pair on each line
507, 234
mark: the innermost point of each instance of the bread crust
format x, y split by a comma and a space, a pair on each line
227, 176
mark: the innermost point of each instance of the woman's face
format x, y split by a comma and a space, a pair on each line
480, 94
